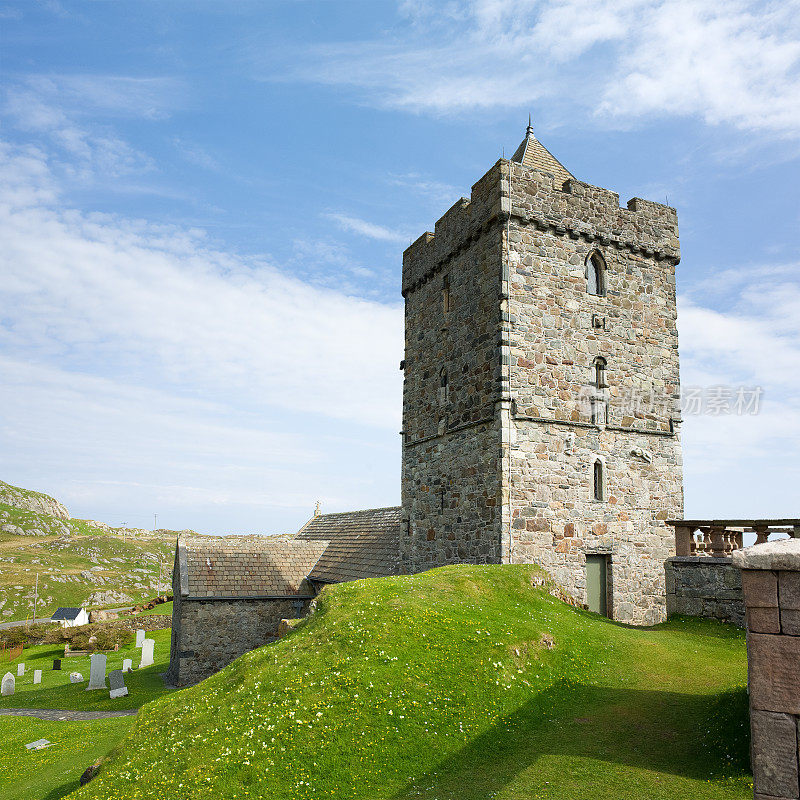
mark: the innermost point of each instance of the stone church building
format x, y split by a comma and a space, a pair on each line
541, 417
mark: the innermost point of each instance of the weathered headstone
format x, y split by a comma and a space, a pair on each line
8, 684
20, 669
57, 663
147, 652
127, 665
75, 677
37, 676
139, 637
38, 744
116, 683
97, 672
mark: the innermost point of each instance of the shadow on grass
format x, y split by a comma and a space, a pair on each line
691, 736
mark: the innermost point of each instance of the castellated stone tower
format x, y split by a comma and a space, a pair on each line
541, 398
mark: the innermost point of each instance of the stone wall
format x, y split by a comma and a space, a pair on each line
208, 634
771, 584
705, 587
451, 442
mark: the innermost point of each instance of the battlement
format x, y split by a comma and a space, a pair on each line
579, 209
457, 227
571, 208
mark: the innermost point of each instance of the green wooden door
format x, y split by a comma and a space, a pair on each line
596, 585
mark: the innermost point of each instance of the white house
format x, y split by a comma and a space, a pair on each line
70, 617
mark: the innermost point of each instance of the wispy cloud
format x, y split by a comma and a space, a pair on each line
735, 63
368, 229
73, 111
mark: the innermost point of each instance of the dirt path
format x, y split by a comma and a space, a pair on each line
59, 715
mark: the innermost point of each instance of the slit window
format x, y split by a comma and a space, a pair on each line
446, 294
597, 476
600, 365
596, 274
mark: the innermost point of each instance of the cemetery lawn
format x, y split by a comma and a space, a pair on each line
55, 690
461, 683
53, 772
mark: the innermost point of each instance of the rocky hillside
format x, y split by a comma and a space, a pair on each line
78, 561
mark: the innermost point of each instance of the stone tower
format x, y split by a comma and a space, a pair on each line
541, 397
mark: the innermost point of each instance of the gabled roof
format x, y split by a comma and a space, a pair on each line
360, 544
268, 566
66, 613
532, 153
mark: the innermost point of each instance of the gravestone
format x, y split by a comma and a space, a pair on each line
37, 676
39, 744
57, 663
127, 665
20, 670
8, 684
147, 652
139, 637
97, 672
75, 677
116, 682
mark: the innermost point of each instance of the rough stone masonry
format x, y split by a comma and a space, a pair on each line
541, 400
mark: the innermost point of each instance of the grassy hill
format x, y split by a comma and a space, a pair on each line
79, 562
464, 683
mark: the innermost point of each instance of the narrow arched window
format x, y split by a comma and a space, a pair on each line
596, 274
600, 365
443, 386
597, 475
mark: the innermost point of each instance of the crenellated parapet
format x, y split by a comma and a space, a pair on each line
456, 230
582, 211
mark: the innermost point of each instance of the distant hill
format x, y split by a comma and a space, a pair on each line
79, 561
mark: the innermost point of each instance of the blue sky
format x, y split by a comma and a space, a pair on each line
204, 206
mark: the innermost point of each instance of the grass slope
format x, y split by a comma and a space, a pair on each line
54, 772
56, 691
464, 683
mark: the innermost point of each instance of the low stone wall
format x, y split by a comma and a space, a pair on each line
698, 586
208, 634
771, 580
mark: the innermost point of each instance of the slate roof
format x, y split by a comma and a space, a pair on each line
66, 613
268, 566
360, 544
532, 153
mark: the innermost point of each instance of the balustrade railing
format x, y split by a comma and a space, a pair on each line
718, 538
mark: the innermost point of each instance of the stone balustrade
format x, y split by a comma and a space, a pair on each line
719, 538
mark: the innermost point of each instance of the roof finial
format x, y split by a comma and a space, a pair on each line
529, 132
316, 510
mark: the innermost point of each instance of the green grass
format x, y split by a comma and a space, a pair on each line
162, 608
444, 685
55, 690
53, 772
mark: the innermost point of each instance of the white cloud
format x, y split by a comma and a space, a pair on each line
734, 62
142, 366
368, 229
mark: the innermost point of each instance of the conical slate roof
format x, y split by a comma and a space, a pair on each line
532, 153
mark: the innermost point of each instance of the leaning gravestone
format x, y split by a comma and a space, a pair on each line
75, 677
147, 652
97, 671
8, 684
57, 663
127, 665
37, 676
116, 682
139, 637
20, 670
